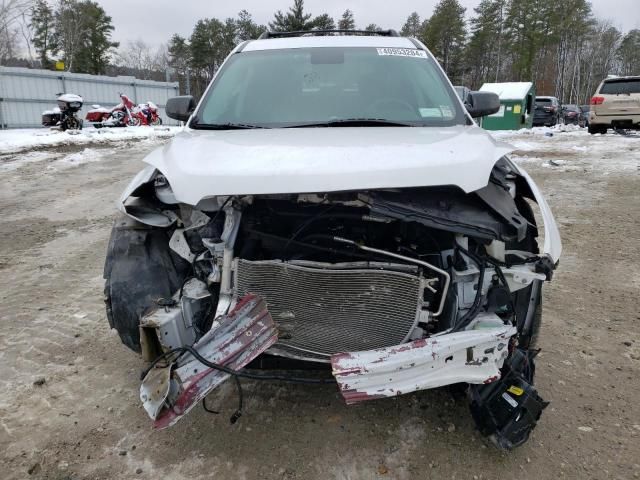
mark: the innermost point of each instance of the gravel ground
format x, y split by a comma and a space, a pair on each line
69, 405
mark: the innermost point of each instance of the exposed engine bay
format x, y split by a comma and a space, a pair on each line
397, 290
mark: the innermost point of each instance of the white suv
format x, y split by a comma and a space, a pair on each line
332, 201
616, 104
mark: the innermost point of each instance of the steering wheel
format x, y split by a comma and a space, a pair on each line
394, 103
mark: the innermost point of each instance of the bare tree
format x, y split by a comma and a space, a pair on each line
140, 56
11, 12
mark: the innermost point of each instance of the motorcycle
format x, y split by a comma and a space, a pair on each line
64, 115
119, 116
147, 114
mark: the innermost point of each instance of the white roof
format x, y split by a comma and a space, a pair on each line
508, 90
329, 41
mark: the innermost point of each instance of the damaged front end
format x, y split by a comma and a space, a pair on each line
397, 290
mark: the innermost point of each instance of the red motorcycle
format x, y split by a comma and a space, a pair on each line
119, 116
146, 114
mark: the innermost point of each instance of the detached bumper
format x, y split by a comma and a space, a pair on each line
168, 394
472, 356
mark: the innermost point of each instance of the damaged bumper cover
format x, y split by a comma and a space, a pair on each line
472, 356
171, 392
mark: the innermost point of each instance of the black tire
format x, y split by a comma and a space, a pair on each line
593, 129
71, 123
140, 269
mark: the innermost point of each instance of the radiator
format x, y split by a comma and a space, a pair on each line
322, 309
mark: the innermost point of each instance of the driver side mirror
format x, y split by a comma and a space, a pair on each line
480, 104
180, 108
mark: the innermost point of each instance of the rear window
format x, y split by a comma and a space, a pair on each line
543, 101
616, 87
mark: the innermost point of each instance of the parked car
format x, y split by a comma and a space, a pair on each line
547, 113
585, 113
572, 115
616, 104
349, 214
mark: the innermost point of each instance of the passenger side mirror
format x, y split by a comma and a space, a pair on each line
480, 104
180, 108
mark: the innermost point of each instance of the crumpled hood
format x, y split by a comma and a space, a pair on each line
201, 164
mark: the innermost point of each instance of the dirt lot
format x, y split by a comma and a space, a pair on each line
69, 405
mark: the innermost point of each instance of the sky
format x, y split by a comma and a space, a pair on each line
155, 21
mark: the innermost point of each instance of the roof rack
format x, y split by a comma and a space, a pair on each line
300, 33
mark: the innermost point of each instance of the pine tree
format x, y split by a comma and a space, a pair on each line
42, 24
529, 29
324, 22
412, 27
179, 55
210, 43
444, 35
628, 53
347, 22
372, 27
95, 54
294, 20
483, 55
83, 34
246, 28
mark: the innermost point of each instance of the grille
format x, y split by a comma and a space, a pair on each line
325, 309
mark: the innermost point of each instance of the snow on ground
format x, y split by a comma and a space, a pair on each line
568, 147
13, 141
79, 158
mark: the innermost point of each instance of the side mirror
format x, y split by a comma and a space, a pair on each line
180, 108
480, 104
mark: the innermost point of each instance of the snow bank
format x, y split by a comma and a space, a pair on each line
569, 147
12, 141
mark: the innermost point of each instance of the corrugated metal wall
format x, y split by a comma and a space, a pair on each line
26, 93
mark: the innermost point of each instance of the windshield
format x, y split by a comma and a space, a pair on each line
330, 86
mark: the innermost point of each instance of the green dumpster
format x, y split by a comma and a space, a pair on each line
517, 101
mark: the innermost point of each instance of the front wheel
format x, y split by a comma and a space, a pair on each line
134, 122
156, 122
140, 268
71, 123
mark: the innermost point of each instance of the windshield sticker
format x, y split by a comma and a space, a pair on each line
430, 113
403, 52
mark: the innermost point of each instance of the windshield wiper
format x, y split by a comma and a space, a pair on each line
195, 124
354, 122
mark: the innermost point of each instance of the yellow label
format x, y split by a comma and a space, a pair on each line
516, 109
515, 390
59, 65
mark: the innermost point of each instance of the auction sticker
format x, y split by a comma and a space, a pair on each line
403, 52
